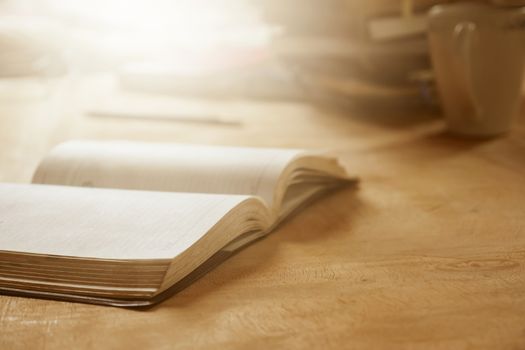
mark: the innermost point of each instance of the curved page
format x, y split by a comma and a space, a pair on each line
166, 167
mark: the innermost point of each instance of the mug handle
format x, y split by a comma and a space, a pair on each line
465, 35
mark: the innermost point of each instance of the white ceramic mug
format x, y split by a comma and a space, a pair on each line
478, 54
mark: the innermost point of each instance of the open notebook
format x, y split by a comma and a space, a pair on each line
128, 224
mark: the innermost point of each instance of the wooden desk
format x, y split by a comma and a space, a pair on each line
428, 253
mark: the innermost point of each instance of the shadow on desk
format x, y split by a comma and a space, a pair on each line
386, 116
301, 227
437, 145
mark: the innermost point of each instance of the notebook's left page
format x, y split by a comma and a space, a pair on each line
105, 223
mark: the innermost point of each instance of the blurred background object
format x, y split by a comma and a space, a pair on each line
29, 62
369, 53
478, 54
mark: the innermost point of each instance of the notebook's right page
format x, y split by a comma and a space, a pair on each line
166, 167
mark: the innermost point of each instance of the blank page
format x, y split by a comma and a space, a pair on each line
105, 223
166, 167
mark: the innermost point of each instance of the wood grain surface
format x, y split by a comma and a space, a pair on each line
429, 252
